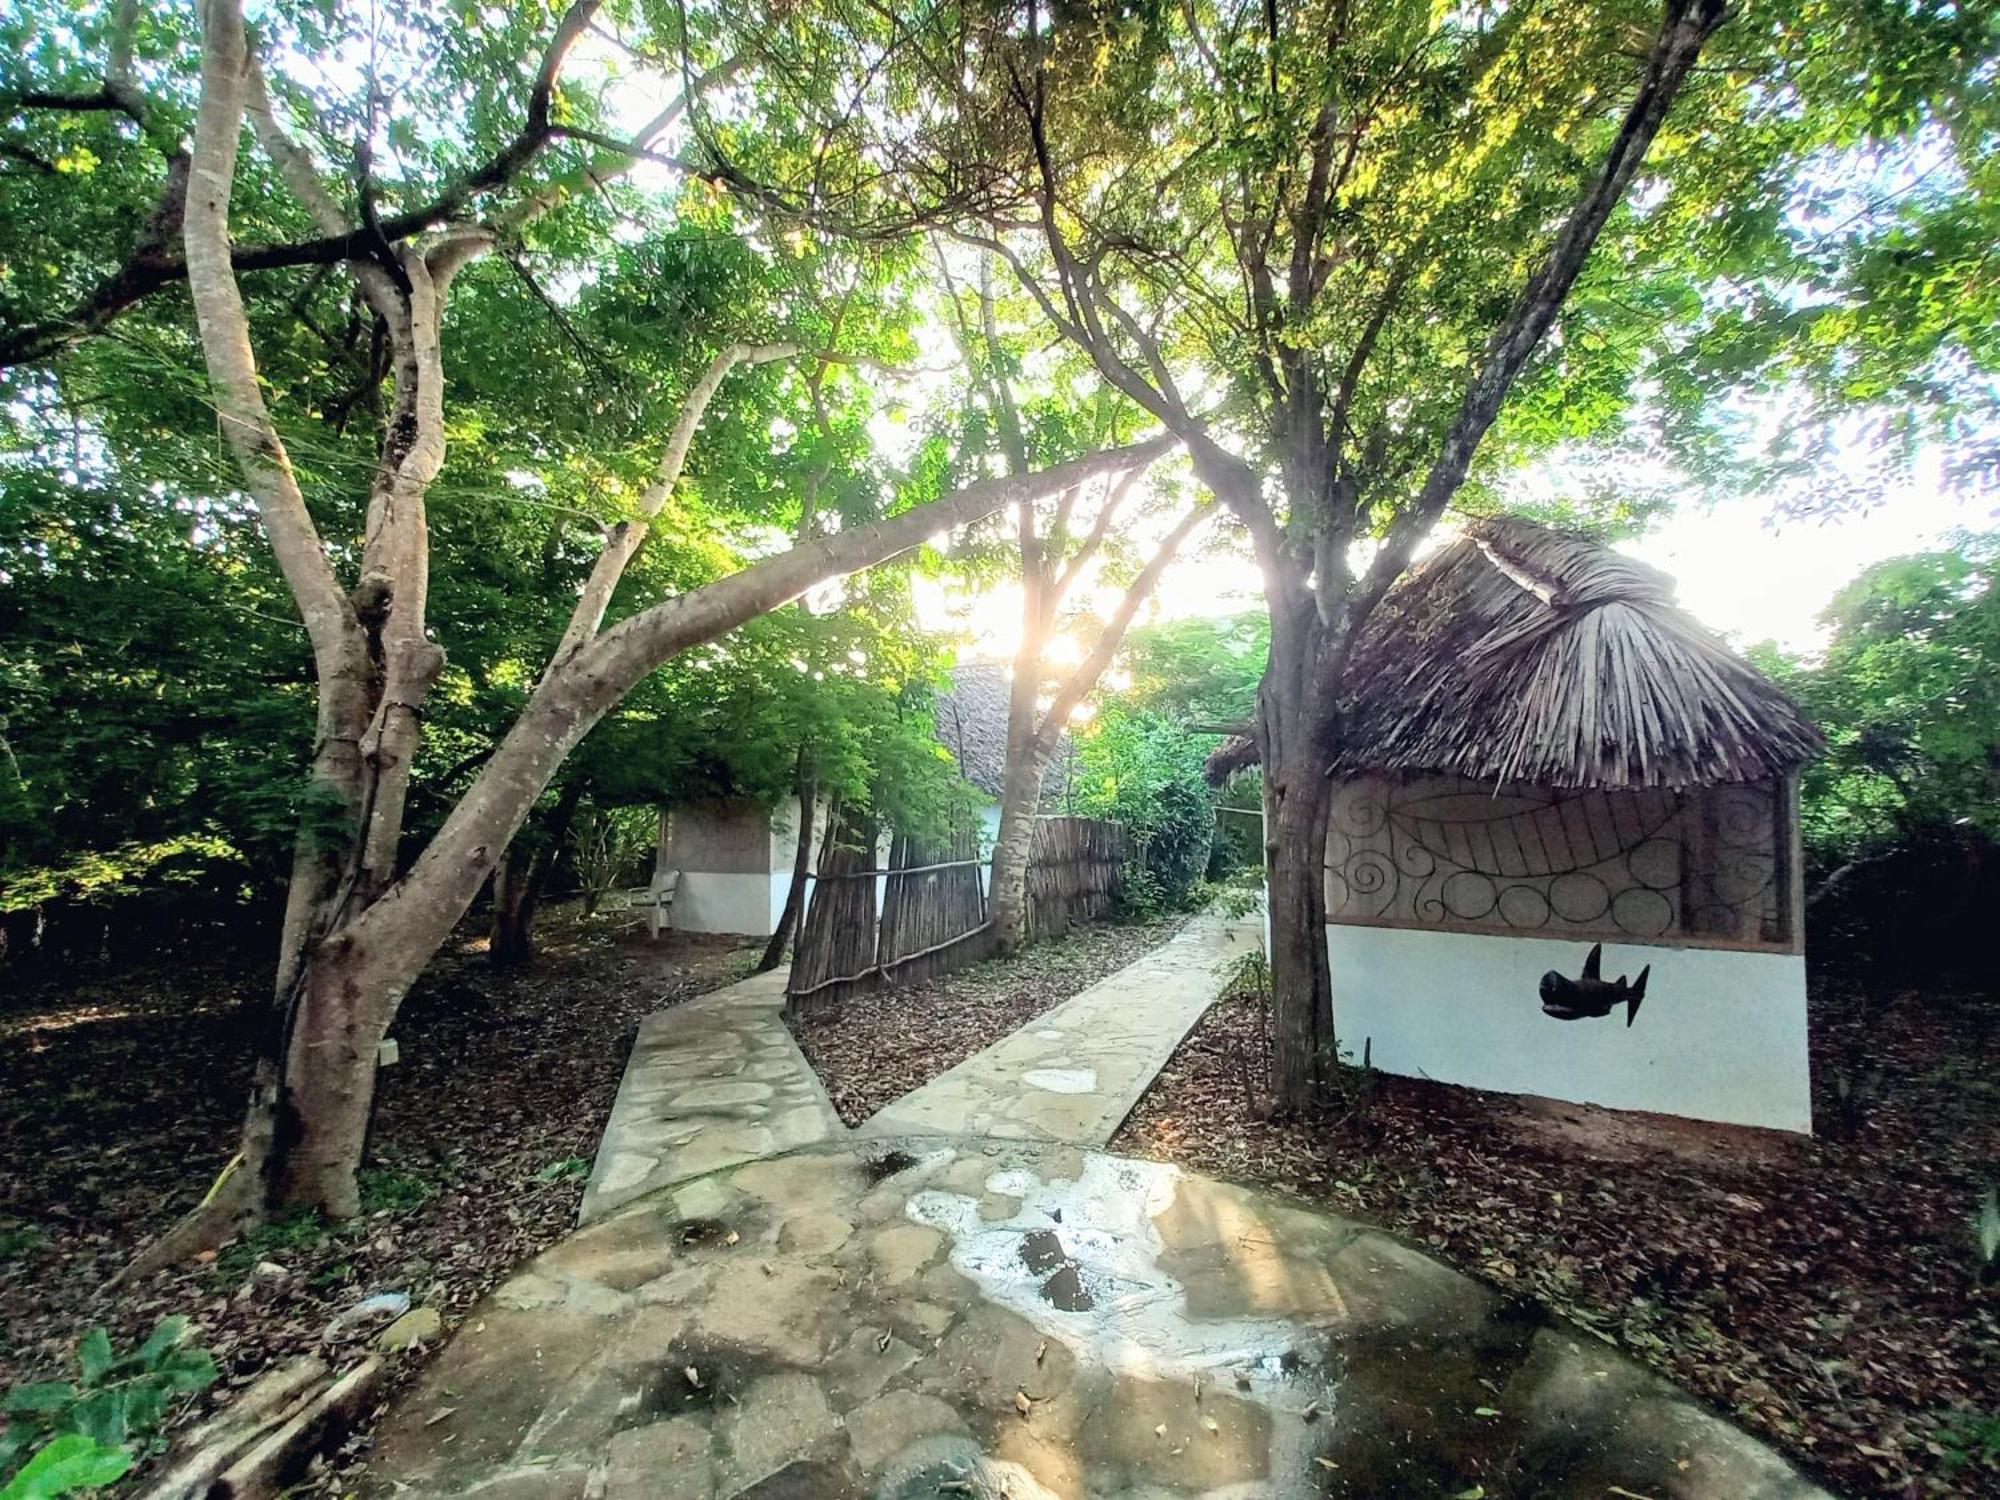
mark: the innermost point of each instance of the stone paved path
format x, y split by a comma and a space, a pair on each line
1073, 1074
763, 1307
925, 1320
711, 1083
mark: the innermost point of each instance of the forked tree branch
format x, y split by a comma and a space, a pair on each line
1084, 677
626, 537
225, 340
1685, 29
637, 644
1100, 527
155, 264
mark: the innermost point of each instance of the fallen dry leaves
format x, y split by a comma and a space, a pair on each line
1821, 1291
119, 1097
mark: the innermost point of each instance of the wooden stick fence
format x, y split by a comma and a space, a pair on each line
1074, 869
933, 917
835, 952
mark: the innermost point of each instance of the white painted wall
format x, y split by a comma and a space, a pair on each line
715, 901
989, 830
1721, 1035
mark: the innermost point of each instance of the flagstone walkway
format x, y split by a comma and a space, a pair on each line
1008, 1320
762, 1306
712, 1083
1073, 1074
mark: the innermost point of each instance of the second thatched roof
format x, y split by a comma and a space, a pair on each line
1519, 653
971, 718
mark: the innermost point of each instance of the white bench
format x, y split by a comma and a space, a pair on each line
655, 900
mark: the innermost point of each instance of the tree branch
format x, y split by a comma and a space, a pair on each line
625, 538
1084, 678
1100, 527
636, 645
225, 341
150, 268
1686, 27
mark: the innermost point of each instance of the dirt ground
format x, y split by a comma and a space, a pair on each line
875, 1048
1822, 1291
119, 1096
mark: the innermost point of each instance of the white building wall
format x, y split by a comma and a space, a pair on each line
989, 831
718, 901
1721, 1034
723, 852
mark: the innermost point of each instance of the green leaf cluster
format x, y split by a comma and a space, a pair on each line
84, 1432
1145, 771
1908, 696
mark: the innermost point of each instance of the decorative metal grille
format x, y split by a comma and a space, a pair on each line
1644, 865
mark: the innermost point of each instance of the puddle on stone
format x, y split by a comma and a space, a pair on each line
1061, 1080
881, 1168
1080, 1261
722, 1371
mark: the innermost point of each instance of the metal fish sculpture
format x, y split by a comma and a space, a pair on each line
1592, 995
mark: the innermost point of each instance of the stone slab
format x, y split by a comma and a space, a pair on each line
1075, 1073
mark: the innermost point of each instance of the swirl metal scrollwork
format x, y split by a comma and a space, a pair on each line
1644, 864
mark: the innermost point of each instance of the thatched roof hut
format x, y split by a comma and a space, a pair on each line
1523, 654
971, 718
1560, 798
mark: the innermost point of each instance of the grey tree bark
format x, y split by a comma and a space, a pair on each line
358, 931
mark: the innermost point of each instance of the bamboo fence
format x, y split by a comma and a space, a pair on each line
932, 901
834, 956
933, 917
1074, 869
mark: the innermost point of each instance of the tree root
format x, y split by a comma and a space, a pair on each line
230, 1206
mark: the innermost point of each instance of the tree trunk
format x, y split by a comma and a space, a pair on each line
330, 1077
1302, 1039
515, 881
795, 893
1294, 733
1020, 801
522, 877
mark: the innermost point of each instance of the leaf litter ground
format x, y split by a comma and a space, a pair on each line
1821, 1291
119, 1098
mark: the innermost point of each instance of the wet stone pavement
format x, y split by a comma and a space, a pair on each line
925, 1317
1074, 1073
711, 1083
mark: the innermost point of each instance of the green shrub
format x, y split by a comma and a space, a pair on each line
84, 1433
1145, 772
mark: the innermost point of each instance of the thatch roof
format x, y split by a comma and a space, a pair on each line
1519, 653
971, 719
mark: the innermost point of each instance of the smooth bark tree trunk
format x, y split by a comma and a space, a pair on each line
358, 932
521, 878
1033, 733
1013, 843
795, 893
